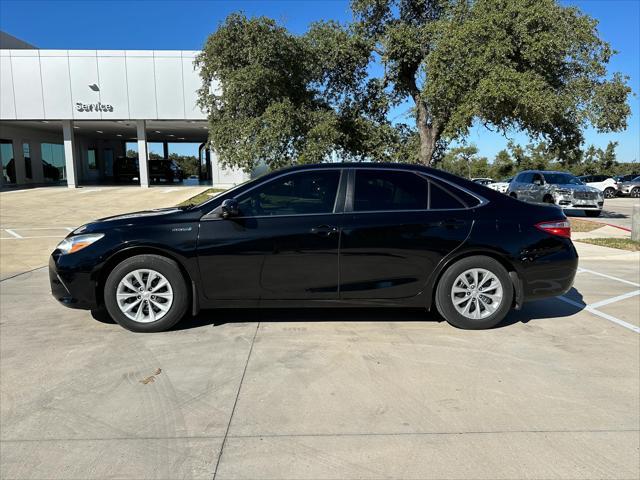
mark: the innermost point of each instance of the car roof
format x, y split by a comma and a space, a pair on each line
545, 171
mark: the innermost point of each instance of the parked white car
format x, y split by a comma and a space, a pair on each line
482, 181
604, 183
502, 186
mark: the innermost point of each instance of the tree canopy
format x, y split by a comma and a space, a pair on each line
530, 65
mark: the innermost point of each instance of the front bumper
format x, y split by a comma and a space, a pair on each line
570, 203
626, 190
73, 289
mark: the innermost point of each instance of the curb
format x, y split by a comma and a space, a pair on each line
604, 224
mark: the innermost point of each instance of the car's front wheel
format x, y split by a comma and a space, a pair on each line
474, 293
146, 293
609, 192
635, 193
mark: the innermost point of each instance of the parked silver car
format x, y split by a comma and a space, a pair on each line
630, 188
562, 189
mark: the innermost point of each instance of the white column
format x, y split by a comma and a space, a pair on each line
69, 152
143, 154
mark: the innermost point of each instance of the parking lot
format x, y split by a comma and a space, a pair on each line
616, 211
554, 392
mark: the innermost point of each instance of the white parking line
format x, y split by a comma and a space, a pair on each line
29, 238
606, 316
89, 190
609, 277
607, 301
14, 234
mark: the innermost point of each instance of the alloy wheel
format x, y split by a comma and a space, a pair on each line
476, 293
635, 193
144, 295
609, 193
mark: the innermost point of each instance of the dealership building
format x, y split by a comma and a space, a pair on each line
74, 117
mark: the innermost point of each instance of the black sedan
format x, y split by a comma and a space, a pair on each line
329, 235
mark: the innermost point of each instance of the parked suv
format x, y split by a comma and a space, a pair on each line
559, 188
630, 188
127, 169
606, 184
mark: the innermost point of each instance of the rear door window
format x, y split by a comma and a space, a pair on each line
384, 190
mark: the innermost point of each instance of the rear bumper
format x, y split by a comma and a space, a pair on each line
550, 275
71, 289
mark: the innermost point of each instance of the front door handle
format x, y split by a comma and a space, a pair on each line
324, 230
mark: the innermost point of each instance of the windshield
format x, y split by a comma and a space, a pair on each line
637, 179
562, 179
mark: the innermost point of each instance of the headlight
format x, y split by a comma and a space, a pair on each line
78, 242
562, 191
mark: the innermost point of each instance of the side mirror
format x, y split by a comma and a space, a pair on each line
229, 208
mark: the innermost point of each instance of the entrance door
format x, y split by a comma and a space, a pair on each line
107, 155
93, 173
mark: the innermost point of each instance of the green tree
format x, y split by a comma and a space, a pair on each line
530, 65
503, 165
465, 162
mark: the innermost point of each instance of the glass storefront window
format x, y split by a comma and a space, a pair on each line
91, 159
26, 152
53, 164
8, 163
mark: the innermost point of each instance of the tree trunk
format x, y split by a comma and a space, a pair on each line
428, 132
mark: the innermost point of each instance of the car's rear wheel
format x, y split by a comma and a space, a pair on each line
609, 192
474, 293
592, 213
146, 293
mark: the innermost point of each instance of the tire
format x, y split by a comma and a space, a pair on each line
155, 313
635, 193
609, 192
444, 294
548, 199
513, 195
592, 213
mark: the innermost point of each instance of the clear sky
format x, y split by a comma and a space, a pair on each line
184, 25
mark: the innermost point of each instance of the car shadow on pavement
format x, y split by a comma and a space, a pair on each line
537, 310
604, 214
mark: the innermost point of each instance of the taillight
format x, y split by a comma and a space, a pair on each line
561, 228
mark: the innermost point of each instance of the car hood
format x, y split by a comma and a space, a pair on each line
629, 183
134, 218
575, 188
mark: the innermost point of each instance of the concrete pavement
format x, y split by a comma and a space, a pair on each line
616, 211
33, 221
336, 394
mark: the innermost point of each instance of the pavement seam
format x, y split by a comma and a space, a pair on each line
233, 410
23, 273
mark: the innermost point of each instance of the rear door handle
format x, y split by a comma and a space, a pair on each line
324, 230
452, 223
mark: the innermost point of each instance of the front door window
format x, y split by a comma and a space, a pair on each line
303, 193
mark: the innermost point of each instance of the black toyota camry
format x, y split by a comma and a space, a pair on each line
334, 235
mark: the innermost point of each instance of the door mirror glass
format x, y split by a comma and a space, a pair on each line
229, 208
